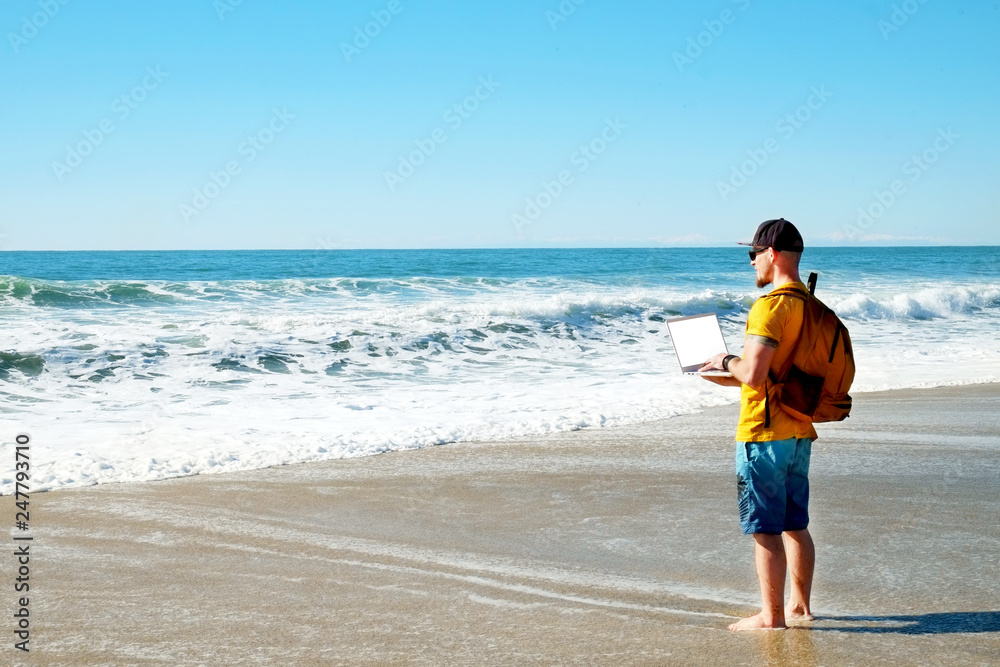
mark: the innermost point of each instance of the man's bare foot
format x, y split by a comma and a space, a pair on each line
758, 622
795, 613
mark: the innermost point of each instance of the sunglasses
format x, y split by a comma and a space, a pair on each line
756, 251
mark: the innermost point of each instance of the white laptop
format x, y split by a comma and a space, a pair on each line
697, 339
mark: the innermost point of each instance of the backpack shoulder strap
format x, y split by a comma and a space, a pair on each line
779, 378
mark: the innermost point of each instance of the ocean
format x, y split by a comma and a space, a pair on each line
131, 366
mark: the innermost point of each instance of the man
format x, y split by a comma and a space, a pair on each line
772, 447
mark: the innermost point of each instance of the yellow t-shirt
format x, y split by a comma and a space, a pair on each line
778, 318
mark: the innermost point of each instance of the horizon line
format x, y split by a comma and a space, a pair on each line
397, 249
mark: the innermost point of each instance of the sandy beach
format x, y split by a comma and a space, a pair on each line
604, 546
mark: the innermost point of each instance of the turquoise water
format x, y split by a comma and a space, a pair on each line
652, 265
143, 365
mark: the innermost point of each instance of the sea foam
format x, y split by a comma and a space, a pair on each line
128, 380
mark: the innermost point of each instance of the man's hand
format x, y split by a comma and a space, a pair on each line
751, 369
715, 364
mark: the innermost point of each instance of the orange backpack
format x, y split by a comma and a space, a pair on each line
813, 384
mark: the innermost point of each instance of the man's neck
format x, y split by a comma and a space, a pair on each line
783, 277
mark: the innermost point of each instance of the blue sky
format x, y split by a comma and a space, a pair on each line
254, 124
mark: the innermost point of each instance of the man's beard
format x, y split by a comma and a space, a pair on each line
763, 281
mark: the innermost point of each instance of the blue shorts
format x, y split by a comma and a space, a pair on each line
772, 481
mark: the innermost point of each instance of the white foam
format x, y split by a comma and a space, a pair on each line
921, 304
293, 371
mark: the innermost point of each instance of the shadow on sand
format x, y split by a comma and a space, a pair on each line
923, 624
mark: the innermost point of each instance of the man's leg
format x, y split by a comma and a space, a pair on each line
798, 543
769, 555
801, 555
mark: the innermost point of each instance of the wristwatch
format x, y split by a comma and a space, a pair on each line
725, 362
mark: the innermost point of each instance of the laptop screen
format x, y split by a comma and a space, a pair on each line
696, 339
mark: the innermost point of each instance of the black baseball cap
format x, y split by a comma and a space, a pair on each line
778, 234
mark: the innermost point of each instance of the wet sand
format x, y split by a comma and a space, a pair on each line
608, 546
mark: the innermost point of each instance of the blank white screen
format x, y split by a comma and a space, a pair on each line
697, 340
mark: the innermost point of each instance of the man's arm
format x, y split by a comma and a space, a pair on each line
723, 380
758, 351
